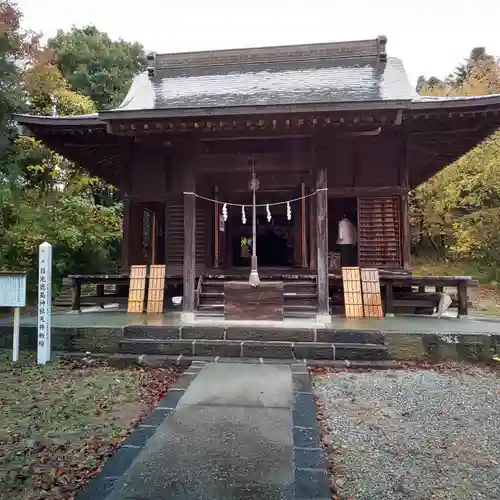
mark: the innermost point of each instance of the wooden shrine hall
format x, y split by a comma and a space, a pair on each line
325, 130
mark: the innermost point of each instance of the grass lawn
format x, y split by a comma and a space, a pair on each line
59, 422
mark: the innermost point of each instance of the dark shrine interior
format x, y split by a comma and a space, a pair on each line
274, 241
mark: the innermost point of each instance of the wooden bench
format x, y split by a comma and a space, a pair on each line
100, 281
422, 298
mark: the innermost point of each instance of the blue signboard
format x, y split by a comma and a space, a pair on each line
12, 290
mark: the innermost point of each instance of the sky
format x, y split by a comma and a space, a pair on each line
431, 37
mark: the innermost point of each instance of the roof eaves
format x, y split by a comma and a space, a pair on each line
444, 103
125, 114
59, 121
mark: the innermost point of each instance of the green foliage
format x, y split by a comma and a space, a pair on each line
43, 196
14, 46
46, 85
456, 214
86, 237
97, 66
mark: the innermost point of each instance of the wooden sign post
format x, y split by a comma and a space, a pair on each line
13, 294
44, 302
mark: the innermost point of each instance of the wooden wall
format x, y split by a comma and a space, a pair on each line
356, 166
363, 162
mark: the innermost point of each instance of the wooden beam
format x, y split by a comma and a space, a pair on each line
351, 192
322, 243
189, 281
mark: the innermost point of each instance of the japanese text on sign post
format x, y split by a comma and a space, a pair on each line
44, 302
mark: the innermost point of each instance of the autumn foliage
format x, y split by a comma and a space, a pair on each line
43, 196
456, 214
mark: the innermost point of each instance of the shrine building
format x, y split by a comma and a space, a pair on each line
328, 129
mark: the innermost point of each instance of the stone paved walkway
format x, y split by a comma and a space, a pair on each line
230, 437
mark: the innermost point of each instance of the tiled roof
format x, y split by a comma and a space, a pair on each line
273, 84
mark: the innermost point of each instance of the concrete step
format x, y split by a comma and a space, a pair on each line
255, 349
268, 333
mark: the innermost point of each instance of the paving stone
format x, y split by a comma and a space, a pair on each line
140, 435
312, 485
170, 399
306, 437
98, 488
119, 463
151, 332
367, 352
313, 350
270, 334
248, 385
299, 367
277, 350
184, 381
301, 382
214, 348
156, 417
203, 332
311, 458
166, 347
229, 439
304, 411
351, 337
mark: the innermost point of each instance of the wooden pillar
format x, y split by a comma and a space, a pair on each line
404, 181
303, 222
216, 227
405, 233
188, 301
125, 257
322, 243
313, 260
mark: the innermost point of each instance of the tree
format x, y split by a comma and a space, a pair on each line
463, 71
457, 212
15, 48
421, 83
42, 195
95, 65
46, 86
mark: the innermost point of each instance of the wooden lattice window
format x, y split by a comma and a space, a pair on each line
379, 232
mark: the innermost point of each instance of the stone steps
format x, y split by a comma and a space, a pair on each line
300, 297
255, 349
240, 333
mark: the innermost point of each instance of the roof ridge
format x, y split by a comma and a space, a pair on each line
372, 48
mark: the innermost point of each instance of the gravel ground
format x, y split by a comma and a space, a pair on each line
414, 434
